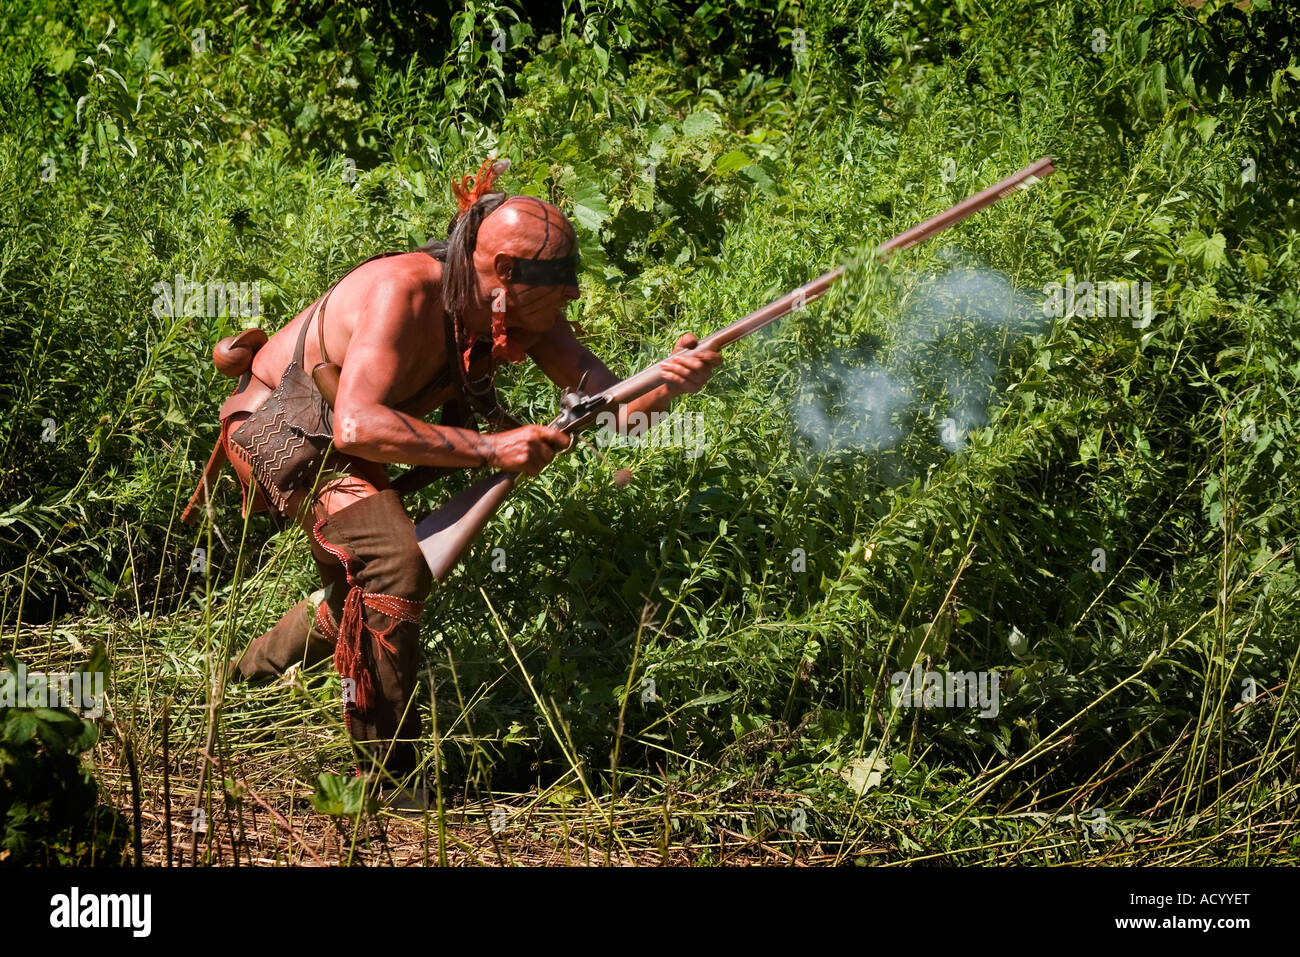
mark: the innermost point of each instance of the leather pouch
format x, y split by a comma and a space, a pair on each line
284, 440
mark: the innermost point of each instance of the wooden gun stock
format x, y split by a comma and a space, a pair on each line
446, 533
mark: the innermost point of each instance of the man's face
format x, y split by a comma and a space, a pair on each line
537, 308
516, 257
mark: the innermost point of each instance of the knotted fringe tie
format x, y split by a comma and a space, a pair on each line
348, 658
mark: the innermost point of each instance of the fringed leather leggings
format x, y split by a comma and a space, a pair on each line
369, 623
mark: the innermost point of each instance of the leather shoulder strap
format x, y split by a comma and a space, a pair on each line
302, 337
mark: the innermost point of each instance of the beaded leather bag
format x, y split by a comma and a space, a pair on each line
284, 441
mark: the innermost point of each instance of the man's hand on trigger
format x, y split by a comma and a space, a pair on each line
688, 371
528, 449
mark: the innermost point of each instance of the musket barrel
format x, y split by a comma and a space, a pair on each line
972, 204
649, 378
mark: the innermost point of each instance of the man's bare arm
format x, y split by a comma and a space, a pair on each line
564, 360
382, 353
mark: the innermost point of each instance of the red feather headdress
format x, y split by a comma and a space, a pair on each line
466, 195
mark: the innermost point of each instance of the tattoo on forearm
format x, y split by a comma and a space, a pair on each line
483, 448
447, 440
405, 422
444, 440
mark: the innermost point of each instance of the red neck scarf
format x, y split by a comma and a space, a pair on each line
504, 349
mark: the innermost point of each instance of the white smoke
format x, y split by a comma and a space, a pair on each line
858, 413
940, 363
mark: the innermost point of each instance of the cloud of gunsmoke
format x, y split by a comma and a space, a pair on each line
939, 365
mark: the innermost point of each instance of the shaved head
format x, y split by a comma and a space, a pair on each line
515, 242
527, 227
510, 270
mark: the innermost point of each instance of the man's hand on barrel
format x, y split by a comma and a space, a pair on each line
684, 371
528, 449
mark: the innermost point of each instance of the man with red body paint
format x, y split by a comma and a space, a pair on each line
506, 273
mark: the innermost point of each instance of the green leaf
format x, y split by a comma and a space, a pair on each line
590, 208
1208, 251
756, 173
340, 796
1158, 86
306, 116
20, 727
736, 159
716, 698
700, 124
102, 585
1256, 264
61, 59
461, 24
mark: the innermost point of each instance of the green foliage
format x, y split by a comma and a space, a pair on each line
340, 796
49, 801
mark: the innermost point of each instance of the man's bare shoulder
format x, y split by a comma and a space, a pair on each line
415, 275
388, 328
394, 298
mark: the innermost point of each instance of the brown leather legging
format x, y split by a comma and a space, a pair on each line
377, 580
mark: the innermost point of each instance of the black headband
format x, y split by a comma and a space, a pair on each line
546, 272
